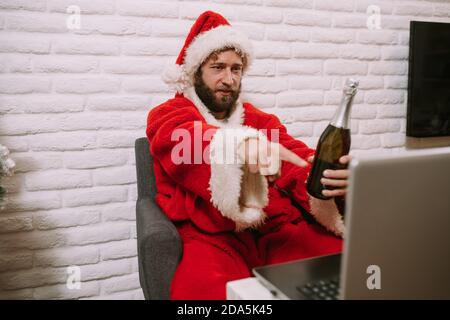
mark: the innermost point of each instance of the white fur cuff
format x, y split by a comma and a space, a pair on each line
238, 194
327, 214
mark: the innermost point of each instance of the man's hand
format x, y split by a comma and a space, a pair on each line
264, 157
335, 178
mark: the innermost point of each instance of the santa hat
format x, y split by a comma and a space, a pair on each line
211, 32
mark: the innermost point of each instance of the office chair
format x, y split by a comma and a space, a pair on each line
159, 244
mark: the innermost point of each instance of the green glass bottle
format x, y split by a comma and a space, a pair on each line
333, 143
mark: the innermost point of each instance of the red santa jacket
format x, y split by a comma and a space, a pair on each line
194, 185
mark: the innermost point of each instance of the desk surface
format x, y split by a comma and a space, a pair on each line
248, 289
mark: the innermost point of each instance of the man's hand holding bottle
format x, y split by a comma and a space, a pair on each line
264, 157
335, 179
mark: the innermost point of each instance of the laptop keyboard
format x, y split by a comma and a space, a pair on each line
321, 290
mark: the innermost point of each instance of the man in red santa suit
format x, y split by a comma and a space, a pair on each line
232, 215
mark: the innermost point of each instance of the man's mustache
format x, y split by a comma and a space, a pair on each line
226, 89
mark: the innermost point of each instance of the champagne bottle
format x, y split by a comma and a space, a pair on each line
333, 143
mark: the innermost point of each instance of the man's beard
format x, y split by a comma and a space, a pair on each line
214, 104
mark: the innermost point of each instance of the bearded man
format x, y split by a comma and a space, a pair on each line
236, 190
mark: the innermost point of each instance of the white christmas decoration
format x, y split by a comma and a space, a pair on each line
7, 166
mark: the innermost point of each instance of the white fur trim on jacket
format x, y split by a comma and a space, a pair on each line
327, 214
235, 120
238, 194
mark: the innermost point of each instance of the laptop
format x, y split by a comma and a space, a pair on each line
397, 242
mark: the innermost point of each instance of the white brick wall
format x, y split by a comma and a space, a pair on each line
73, 102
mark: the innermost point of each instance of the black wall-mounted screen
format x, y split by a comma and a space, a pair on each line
428, 111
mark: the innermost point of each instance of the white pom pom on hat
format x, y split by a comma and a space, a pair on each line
176, 78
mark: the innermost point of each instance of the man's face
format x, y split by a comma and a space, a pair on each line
218, 83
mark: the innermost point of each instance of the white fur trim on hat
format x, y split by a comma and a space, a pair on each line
179, 78
215, 39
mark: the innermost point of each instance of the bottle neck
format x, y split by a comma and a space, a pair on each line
341, 118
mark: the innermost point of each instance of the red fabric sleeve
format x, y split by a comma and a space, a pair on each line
183, 188
161, 123
293, 178
206, 193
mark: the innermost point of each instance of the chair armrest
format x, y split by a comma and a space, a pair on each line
159, 249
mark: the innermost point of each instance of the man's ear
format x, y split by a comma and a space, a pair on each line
244, 63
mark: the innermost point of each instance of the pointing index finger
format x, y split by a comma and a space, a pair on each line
288, 155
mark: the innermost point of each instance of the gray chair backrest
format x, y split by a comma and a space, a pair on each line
158, 241
146, 184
